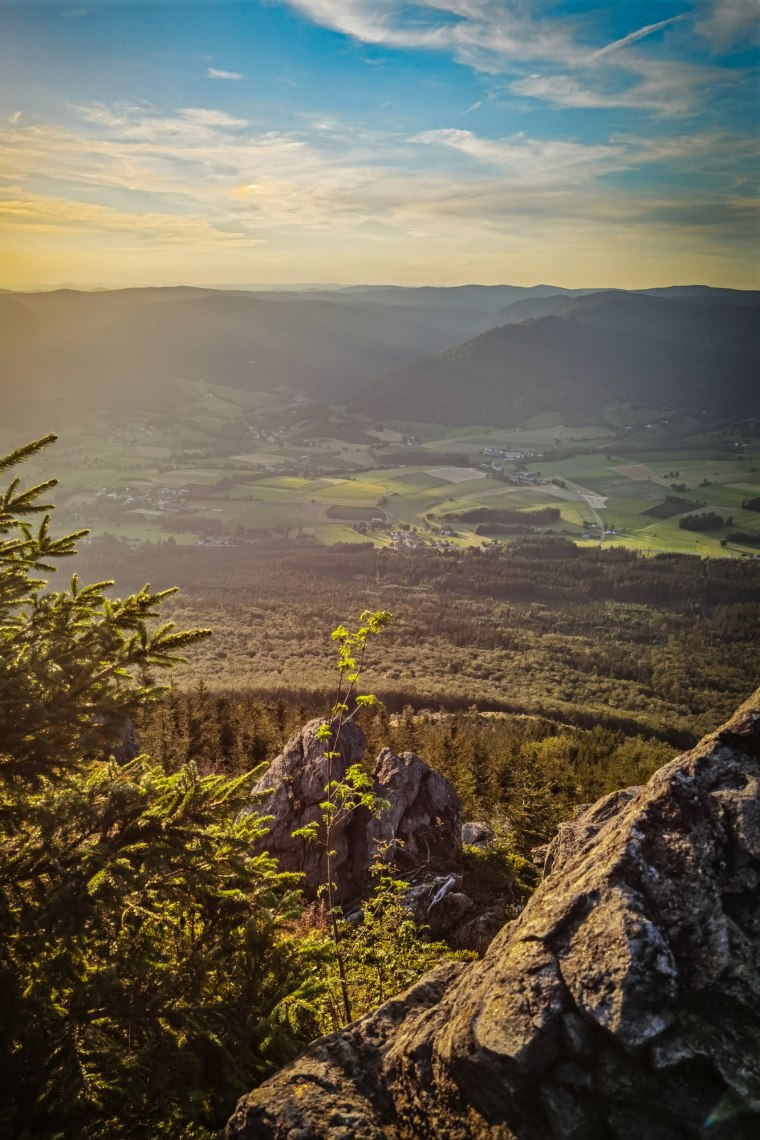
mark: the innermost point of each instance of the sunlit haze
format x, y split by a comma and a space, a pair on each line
437, 142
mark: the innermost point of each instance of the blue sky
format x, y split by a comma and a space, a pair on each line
442, 141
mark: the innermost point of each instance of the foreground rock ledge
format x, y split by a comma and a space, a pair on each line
624, 1002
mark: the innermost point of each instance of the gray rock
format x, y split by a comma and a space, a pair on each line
439, 905
422, 827
623, 1002
586, 823
419, 831
293, 787
476, 834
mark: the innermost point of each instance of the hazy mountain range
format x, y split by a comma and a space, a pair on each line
472, 353
575, 354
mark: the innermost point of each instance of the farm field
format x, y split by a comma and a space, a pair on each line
240, 467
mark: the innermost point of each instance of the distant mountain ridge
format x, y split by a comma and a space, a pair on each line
513, 349
116, 350
575, 354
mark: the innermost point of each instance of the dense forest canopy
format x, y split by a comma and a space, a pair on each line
665, 646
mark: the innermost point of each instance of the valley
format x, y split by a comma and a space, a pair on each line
406, 418
242, 468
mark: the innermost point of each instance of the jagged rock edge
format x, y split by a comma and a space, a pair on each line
402, 1064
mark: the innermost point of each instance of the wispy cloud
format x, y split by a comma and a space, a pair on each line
567, 91
501, 37
131, 178
728, 23
208, 167
37, 213
670, 88
205, 117
482, 33
634, 37
372, 21
218, 73
539, 163
318, 173
142, 121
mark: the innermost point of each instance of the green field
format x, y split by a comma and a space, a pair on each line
241, 465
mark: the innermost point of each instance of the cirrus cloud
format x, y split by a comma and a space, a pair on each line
217, 73
200, 179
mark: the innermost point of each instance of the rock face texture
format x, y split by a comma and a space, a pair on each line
623, 1003
420, 829
423, 824
297, 779
476, 834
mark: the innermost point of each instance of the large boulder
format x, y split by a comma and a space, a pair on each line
291, 790
421, 827
624, 1002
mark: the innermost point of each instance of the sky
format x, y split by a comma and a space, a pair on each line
582, 144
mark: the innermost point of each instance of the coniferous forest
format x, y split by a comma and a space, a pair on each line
663, 646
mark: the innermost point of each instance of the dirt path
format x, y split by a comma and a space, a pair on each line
593, 501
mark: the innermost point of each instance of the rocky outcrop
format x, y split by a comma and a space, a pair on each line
477, 835
292, 789
623, 1003
423, 822
419, 830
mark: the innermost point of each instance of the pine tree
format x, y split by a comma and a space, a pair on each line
74, 663
148, 968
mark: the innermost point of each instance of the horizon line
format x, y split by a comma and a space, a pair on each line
332, 286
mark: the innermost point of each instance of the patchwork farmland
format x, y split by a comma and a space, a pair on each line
240, 469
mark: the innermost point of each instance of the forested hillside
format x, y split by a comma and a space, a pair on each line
583, 355
665, 645
130, 351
